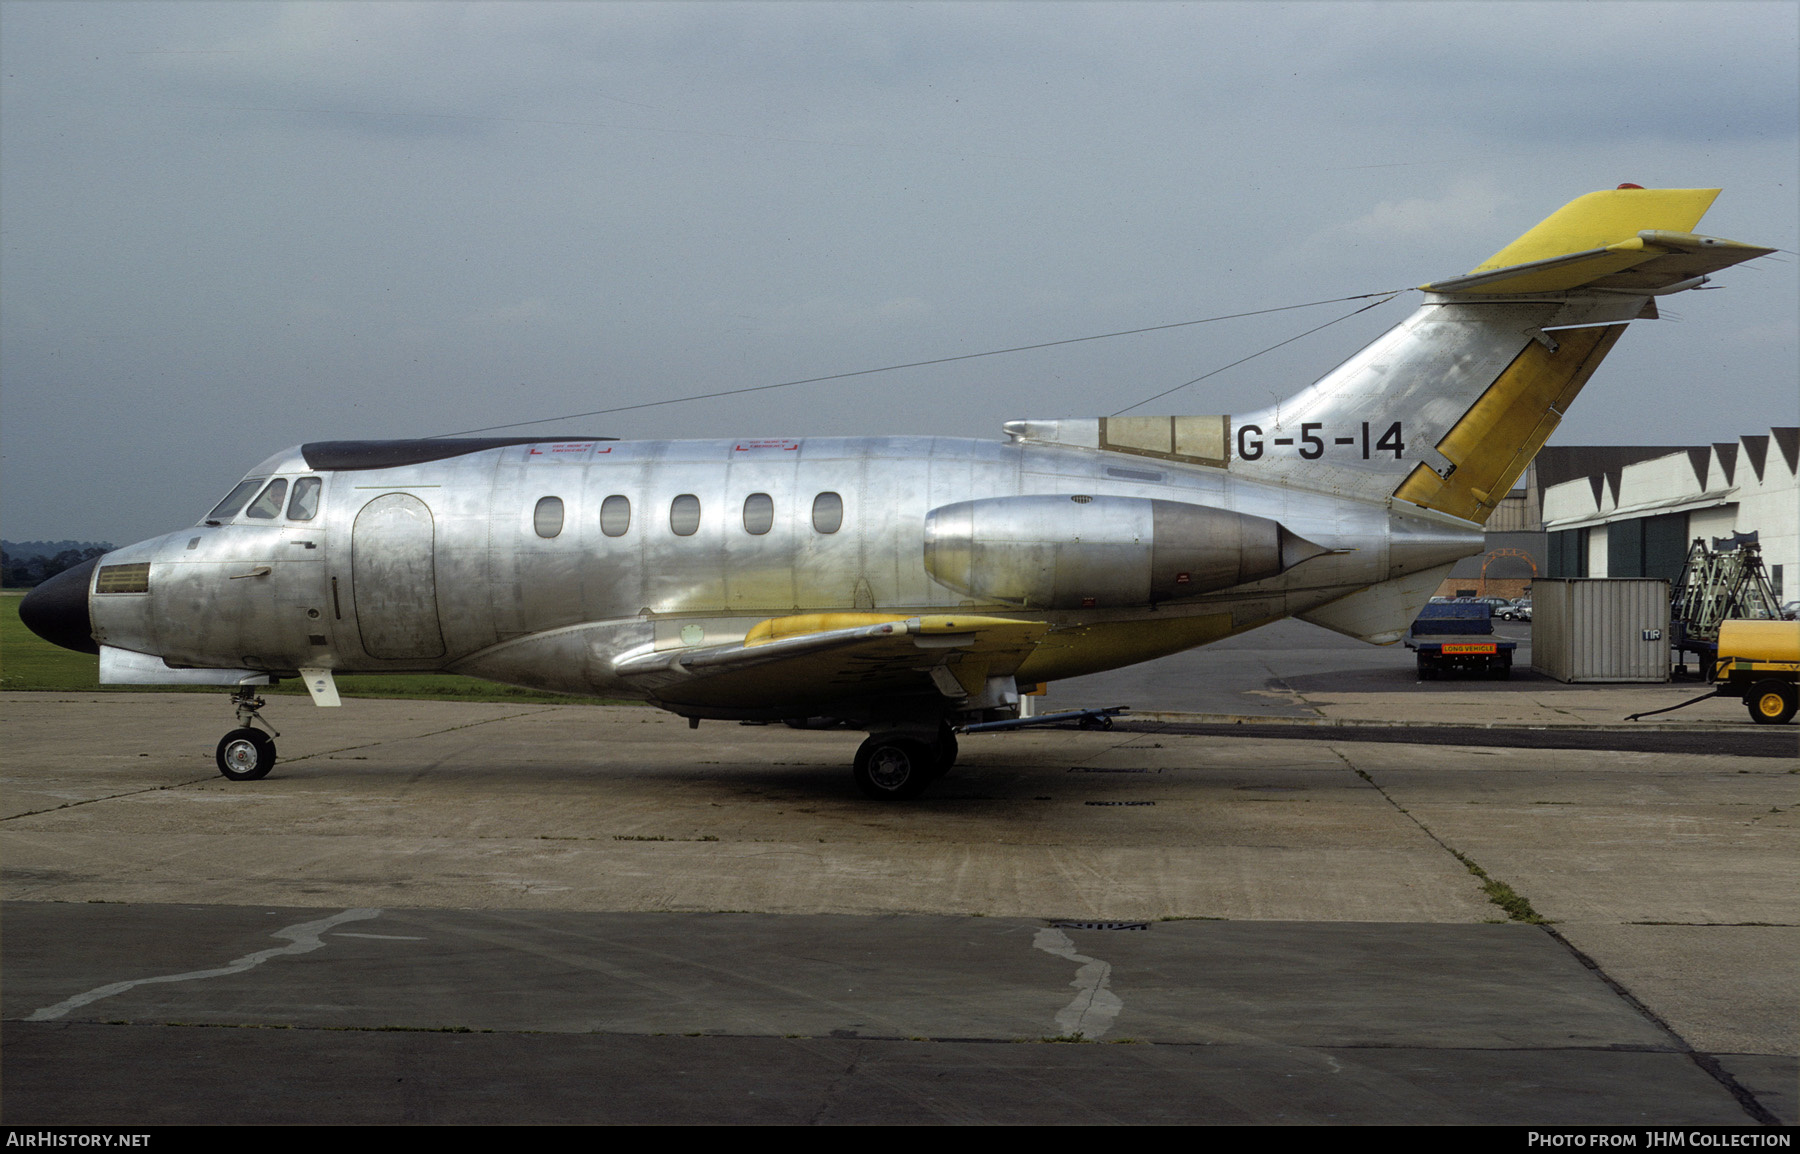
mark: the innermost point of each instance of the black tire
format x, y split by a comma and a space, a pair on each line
246, 754
1771, 702
945, 752
894, 768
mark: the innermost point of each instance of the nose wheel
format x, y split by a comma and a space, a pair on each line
247, 754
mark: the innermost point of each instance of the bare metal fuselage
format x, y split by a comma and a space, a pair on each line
496, 563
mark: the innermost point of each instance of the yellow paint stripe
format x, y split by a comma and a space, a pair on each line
777, 628
1497, 438
801, 624
1100, 646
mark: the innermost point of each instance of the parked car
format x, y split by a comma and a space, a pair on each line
1519, 610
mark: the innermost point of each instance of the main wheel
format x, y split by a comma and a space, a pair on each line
944, 752
894, 768
246, 754
1771, 702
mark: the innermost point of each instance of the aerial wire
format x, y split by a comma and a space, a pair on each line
1234, 364
1385, 295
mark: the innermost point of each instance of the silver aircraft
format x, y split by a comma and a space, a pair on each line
909, 585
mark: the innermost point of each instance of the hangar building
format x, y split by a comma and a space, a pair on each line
1633, 510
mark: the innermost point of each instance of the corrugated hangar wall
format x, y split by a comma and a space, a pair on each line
1633, 511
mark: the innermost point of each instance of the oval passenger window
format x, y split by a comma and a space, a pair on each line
547, 518
759, 513
684, 515
828, 512
615, 515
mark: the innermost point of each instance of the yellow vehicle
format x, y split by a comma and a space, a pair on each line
1759, 661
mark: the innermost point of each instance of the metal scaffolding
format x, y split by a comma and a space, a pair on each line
1725, 582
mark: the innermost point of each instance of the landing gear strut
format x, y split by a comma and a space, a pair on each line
247, 754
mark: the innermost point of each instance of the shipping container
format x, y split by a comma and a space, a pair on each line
1596, 629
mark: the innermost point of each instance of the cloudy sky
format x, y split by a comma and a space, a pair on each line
228, 228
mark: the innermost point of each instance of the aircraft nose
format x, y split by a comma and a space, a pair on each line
57, 610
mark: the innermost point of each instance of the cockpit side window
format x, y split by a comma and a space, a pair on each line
268, 506
234, 501
305, 503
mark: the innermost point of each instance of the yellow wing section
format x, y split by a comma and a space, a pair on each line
813, 659
1630, 240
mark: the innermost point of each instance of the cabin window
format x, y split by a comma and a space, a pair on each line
759, 513
228, 508
684, 515
304, 504
615, 515
828, 512
547, 518
268, 506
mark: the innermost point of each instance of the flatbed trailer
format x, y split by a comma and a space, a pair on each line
1457, 637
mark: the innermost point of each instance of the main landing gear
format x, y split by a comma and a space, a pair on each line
247, 754
898, 766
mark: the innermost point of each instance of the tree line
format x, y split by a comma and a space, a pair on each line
23, 572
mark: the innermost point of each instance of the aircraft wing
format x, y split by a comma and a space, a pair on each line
812, 659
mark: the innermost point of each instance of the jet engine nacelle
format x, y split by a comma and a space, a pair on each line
1080, 552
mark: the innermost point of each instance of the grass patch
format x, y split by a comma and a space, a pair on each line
28, 662
1503, 895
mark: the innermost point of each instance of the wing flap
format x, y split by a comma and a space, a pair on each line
784, 663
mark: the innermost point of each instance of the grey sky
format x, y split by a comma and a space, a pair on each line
233, 227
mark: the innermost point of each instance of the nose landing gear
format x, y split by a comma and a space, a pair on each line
247, 754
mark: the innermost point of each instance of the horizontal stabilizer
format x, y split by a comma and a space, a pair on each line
1627, 240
